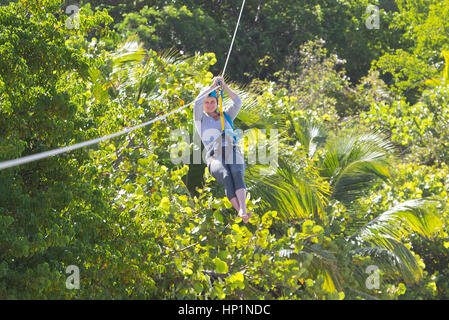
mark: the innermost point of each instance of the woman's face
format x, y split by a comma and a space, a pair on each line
210, 104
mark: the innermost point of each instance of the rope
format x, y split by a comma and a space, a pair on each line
233, 38
50, 153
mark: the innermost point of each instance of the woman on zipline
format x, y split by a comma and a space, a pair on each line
223, 157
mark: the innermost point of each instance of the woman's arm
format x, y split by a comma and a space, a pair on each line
198, 107
235, 108
229, 91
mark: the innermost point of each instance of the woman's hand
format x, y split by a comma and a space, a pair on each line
224, 86
217, 80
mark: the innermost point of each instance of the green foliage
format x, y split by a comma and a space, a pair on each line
276, 28
352, 162
383, 235
40, 109
419, 130
186, 30
296, 193
419, 58
444, 81
339, 199
312, 76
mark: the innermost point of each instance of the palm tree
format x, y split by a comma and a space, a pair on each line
382, 237
353, 162
337, 168
292, 192
346, 166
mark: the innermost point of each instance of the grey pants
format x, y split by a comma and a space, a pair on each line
230, 175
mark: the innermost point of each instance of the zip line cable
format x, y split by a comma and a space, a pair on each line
50, 153
233, 38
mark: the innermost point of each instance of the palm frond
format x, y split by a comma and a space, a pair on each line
416, 215
381, 238
289, 191
392, 256
324, 263
353, 162
252, 116
127, 61
255, 114
130, 52
309, 133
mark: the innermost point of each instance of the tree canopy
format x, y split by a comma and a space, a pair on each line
361, 175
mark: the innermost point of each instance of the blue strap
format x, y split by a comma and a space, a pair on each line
228, 118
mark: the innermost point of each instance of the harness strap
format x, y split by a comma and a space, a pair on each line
221, 110
235, 133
